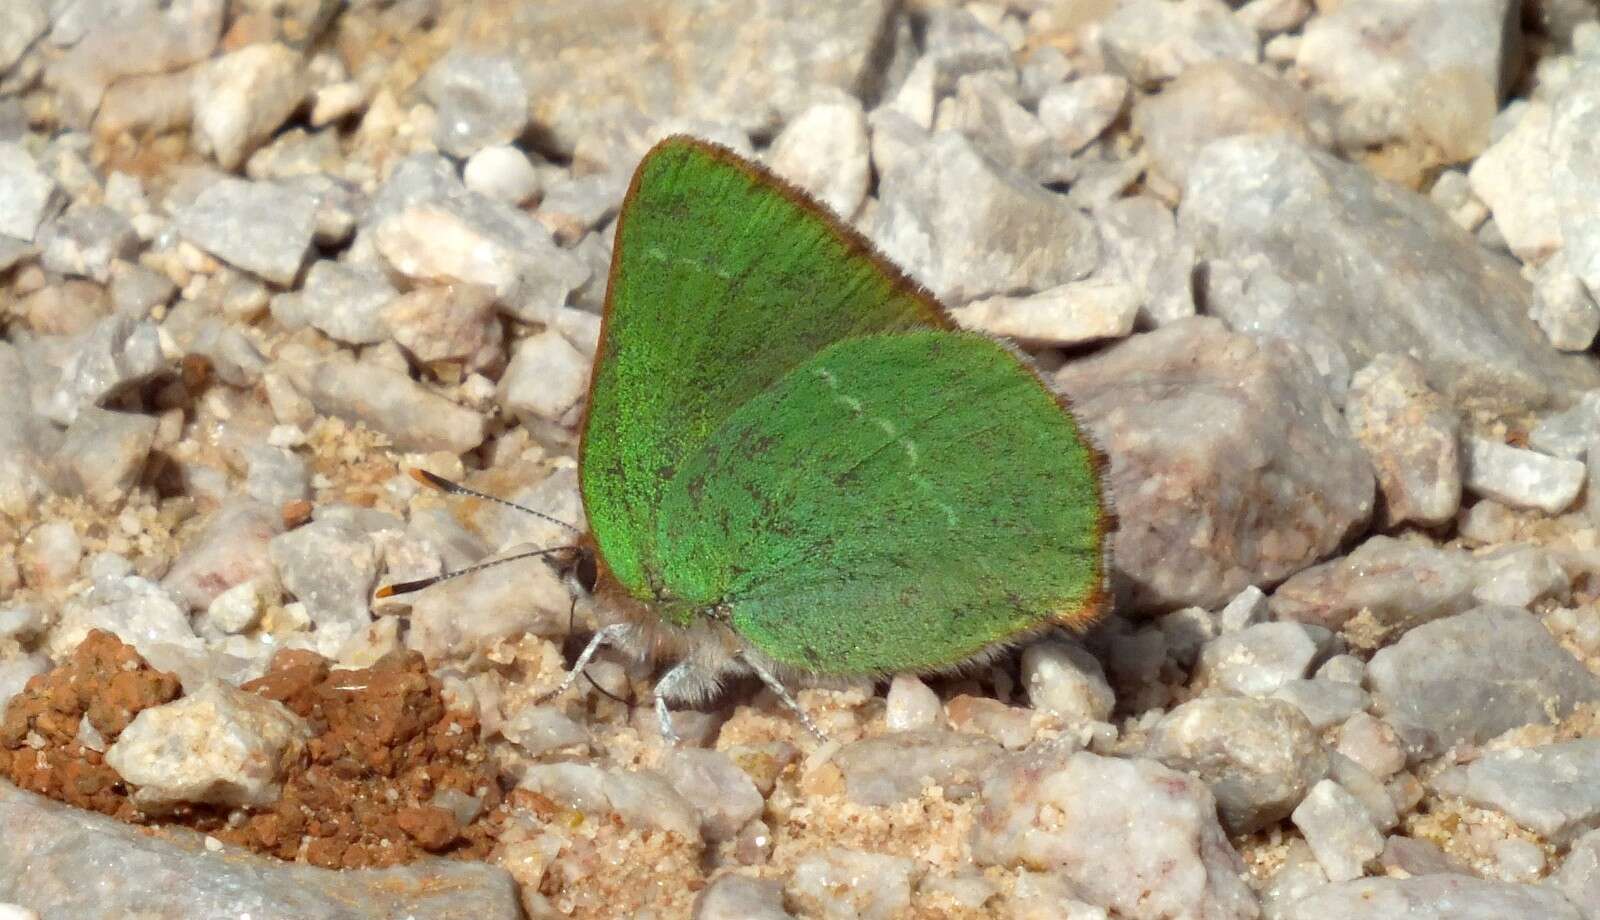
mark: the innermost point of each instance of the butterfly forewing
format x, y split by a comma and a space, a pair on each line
723, 280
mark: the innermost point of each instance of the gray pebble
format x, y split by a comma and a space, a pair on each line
1367, 789
464, 617
1195, 409
86, 240
713, 783
1325, 703
1218, 99
344, 301
275, 476
892, 768
823, 150
1567, 434
1574, 178
1258, 660
1077, 112
1153, 42
104, 454
1579, 875
1418, 857
242, 97
642, 799
411, 414
1521, 478
1258, 756
741, 897
1299, 875
540, 729
1140, 235
137, 290
547, 379
473, 239
1372, 743
837, 882
1344, 668
1412, 435
228, 549
1563, 307
1431, 897
1519, 575
1472, 676
1339, 830
574, 205
1067, 681
1186, 631
331, 568
262, 227
1248, 608
117, 354
1067, 314
481, 98
1009, 236
1447, 302
1398, 583
956, 44
444, 323
1553, 789
1121, 832
27, 193
984, 110
215, 745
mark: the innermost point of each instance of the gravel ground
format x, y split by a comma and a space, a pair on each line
1321, 279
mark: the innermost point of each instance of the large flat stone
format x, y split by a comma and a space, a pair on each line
63, 862
1431, 897
1306, 247
1472, 676
588, 63
1230, 467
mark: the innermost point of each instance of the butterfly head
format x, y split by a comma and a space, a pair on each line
578, 567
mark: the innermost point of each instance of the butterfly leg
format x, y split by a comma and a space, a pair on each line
605, 635
784, 696
669, 685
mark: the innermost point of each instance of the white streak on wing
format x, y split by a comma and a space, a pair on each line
888, 428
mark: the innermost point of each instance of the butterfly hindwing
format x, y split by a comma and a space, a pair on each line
897, 502
723, 280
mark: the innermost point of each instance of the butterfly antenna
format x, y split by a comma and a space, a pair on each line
456, 488
407, 587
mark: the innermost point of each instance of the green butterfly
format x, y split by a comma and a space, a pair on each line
794, 464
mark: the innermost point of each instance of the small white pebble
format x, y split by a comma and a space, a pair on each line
236, 609
503, 173
286, 436
335, 101
52, 552
911, 705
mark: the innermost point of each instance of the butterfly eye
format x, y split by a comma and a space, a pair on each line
586, 569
